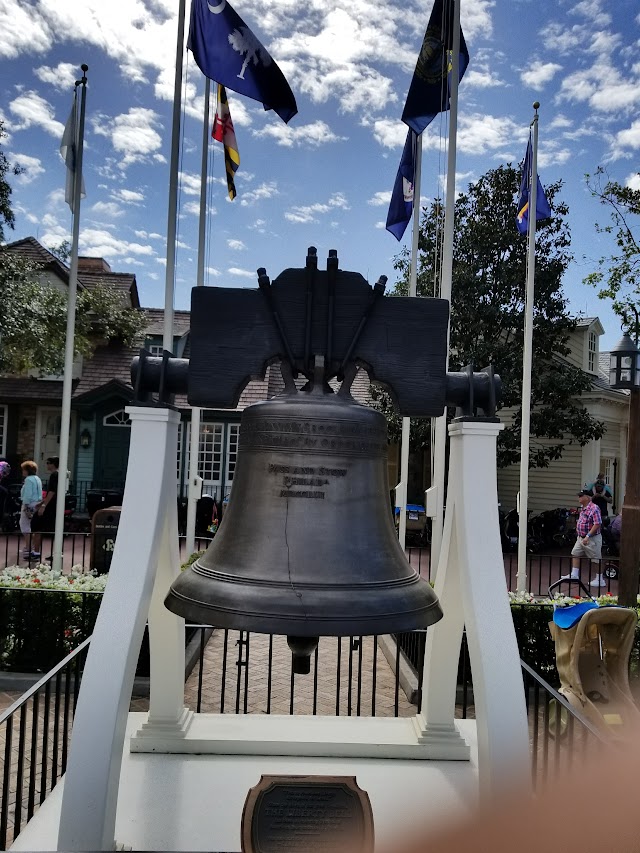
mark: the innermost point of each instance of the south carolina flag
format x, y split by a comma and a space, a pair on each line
223, 132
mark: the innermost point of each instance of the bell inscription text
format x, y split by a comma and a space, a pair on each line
333, 437
303, 814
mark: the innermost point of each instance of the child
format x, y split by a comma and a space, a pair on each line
31, 497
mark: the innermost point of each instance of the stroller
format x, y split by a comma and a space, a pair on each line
593, 647
417, 529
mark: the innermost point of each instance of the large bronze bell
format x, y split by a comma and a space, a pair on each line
307, 547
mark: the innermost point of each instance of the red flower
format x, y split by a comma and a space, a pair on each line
36, 580
70, 580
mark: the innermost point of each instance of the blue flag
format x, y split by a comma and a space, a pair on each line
401, 205
543, 210
226, 50
429, 89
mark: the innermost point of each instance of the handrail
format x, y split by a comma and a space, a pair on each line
8, 712
561, 700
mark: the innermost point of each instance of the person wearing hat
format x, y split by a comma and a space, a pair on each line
589, 541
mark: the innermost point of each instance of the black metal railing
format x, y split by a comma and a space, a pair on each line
36, 730
559, 735
76, 550
245, 673
240, 672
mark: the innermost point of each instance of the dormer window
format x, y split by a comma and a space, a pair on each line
592, 352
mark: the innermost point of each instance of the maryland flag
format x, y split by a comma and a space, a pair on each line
223, 132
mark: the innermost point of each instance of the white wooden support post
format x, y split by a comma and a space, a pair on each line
472, 590
147, 524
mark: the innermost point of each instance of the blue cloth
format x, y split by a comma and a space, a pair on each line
401, 205
543, 210
430, 85
226, 50
31, 492
567, 617
411, 508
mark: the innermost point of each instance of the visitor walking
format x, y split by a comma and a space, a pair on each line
589, 541
30, 498
45, 518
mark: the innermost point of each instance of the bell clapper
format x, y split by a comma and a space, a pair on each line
301, 650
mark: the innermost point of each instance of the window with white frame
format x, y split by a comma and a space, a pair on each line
155, 349
210, 453
117, 419
232, 451
592, 353
607, 469
180, 449
3, 430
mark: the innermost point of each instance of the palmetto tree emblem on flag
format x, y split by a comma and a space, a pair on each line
243, 41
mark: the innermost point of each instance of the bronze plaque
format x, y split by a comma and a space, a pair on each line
302, 814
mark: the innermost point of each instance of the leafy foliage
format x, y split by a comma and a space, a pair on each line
618, 275
33, 319
487, 313
6, 213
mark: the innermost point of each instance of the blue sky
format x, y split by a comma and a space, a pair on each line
325, 179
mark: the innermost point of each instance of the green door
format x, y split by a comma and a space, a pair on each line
112, 449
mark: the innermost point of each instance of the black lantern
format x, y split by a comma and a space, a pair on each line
85, 438
624, 364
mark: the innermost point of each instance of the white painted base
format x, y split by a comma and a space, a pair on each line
338, 737
194, 802
444, 740
170, 729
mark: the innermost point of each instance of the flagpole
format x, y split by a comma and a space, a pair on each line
525, 428
446, 280
67, 379
401, 489
172, 216
195, 484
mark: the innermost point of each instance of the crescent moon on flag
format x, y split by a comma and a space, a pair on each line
217, 9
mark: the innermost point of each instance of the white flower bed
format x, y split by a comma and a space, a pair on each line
560, 600
44, 577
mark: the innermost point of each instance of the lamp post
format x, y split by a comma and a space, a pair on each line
624, 374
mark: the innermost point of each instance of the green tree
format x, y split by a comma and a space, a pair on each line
33, 319
618, 274
487, 313
6, 213
33, 315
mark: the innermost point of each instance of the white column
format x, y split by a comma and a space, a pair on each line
88, 811
470, 581
590, 462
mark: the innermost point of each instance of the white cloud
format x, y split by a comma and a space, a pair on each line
265, 190
22, 30
633, 181
304, 214
628, 138
538, 74
103, 244
380, 198
391, 133
62, 77
128, 196
236, 245
212, 271
31, 168
134, 135
241, 273
31, 109
107, 208
315, 134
